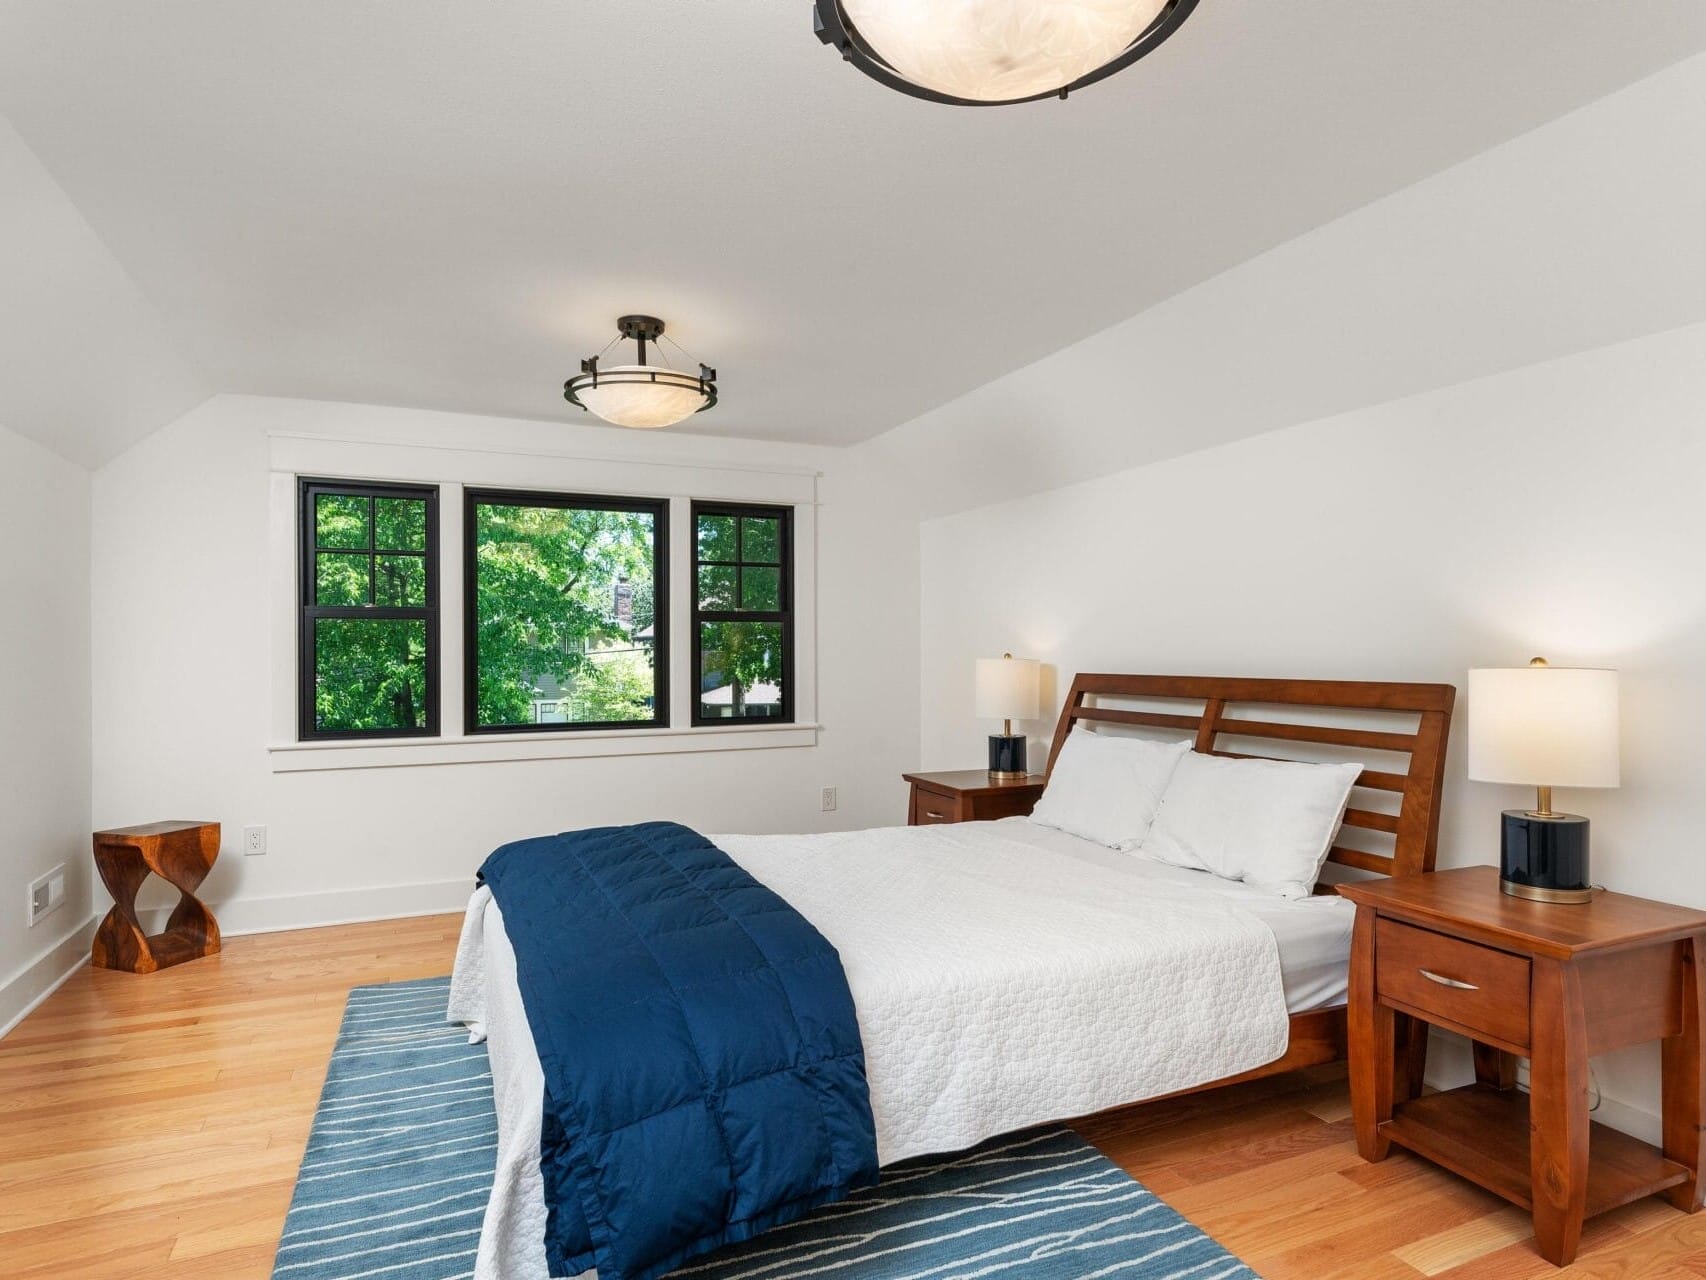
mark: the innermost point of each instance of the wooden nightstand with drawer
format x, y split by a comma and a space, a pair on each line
1556, 984
968, 795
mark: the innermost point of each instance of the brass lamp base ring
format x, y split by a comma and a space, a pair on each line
1535, 894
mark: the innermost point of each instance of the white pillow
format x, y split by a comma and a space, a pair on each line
1106, 788
1268, 823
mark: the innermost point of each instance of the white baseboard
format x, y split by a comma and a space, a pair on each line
1635, 1121
36, 981
337, 906
39, 979
1450, 1065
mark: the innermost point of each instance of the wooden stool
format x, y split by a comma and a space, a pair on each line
181, 853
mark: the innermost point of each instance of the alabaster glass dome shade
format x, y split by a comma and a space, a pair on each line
999, 50
662, 399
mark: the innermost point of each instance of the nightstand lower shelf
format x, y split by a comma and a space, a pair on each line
1483, 1134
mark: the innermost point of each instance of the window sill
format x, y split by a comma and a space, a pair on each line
315, 757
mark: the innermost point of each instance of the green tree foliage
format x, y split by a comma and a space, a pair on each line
547, 606
645, 607
372, 674
717, 539
741, 654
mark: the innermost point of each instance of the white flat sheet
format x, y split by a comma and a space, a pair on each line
1004, 975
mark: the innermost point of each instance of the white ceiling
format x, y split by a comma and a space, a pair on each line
1576, 236
447, 204
89, 367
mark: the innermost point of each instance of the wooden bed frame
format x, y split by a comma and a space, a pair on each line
1412, 832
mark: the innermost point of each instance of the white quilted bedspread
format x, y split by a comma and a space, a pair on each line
997, 989
997, 985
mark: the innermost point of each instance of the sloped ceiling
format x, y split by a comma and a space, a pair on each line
1581, 234
89, 365
447, 205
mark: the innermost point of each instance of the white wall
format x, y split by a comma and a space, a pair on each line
183, 716
1554, 510
44, 715
1579, 234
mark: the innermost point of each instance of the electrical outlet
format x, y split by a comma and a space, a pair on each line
829, 799
47, 893
254, 841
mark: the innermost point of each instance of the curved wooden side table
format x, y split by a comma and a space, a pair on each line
181, 853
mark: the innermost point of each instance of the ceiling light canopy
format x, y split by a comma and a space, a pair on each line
985, 52
641, 395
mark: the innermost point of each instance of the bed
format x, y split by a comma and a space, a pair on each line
1006, 974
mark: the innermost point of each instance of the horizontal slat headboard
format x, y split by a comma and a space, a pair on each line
1293, 719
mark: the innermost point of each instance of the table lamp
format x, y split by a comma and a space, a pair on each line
1007, 691
1545, 727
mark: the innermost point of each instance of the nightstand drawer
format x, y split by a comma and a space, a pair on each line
1475, 987
968, 795
930, 807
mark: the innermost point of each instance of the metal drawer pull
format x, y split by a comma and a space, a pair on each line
1444, 981
931, 813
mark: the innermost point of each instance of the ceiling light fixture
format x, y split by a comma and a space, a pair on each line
988, 52
641, 395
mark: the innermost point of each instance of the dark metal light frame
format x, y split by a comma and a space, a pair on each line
836, 29
641, 330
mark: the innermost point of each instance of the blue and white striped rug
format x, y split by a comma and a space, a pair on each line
394, 1184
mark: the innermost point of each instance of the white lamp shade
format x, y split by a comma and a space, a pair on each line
1543, 726
998, 50
1007, 688
663, 403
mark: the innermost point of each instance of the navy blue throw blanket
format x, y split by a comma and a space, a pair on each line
704, 1077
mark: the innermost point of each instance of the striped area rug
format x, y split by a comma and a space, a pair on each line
394, 1184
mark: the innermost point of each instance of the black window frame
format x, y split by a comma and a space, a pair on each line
310, 611
658, 508
785, 615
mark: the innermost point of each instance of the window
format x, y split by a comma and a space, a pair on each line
567, 622
743, 619
367, 663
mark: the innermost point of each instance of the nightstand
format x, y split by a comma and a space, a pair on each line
968, 795
1557, 984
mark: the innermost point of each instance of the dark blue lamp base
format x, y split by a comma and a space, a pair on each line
1007, 757
1545, 858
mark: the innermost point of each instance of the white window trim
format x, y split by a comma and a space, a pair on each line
294, 455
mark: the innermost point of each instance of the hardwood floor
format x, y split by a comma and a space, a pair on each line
153, 1125
1270, 1170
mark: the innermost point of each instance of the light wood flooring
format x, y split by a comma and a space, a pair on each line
153, 1125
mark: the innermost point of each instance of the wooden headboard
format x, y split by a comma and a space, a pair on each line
1424, 710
